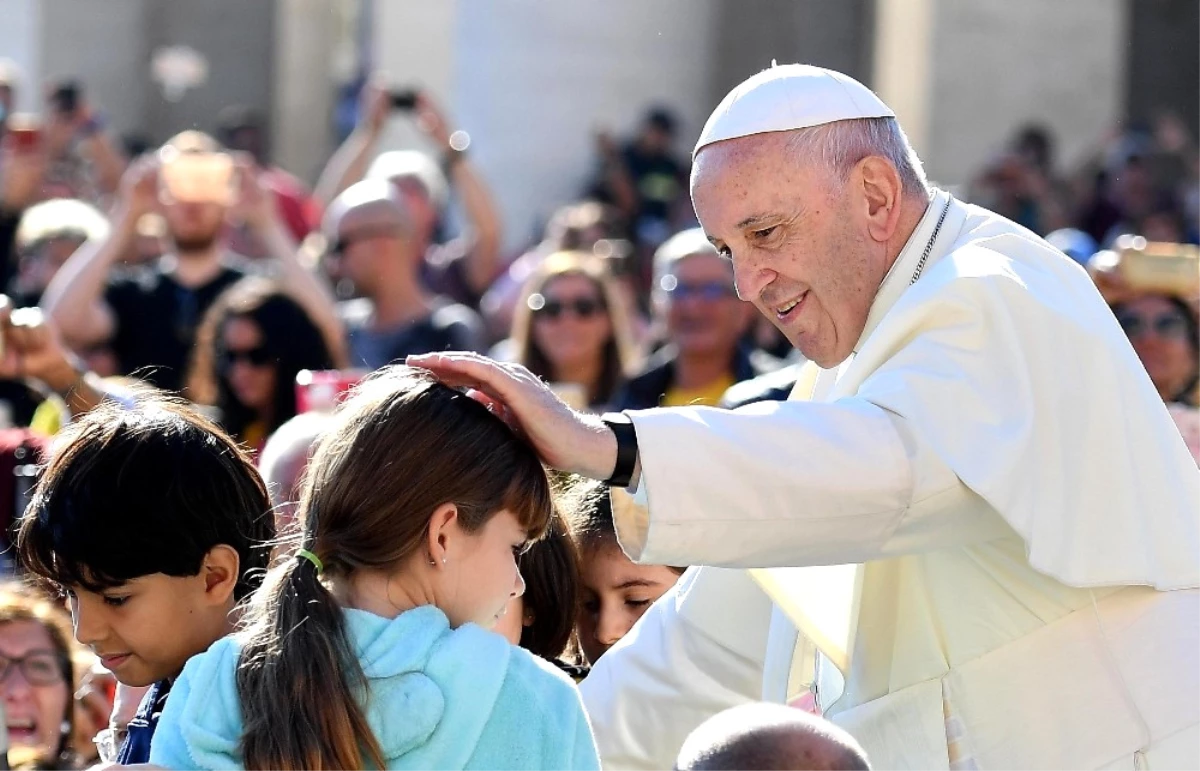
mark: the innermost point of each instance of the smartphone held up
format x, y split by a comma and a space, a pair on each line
404, 99
197, 177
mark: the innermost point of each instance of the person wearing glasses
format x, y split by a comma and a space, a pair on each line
253, 342
373, 246
37, 679
695, 299
1164, 329
573, 330
1162, 325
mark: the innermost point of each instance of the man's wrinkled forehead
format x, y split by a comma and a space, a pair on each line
747, 179
741, 156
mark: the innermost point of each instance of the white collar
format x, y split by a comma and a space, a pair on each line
912, 258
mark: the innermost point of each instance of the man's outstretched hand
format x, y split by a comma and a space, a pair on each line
564, 439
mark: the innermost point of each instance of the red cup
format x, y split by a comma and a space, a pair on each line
324, 390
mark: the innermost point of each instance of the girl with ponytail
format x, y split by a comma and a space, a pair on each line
371, 647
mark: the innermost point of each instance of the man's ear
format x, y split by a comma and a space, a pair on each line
881, 188
221, 569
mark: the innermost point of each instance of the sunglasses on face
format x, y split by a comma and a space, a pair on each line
1165, 325
38, 667
709, 291
255, 357
582, 307
344, 240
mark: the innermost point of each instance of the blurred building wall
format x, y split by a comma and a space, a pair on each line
994, 65
20, 43
747, 36
1164, 61
237, 39
307, 35
533, 82
107, 47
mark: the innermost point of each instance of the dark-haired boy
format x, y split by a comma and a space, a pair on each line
154, 524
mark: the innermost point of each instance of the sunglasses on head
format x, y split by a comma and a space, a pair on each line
704, 290
343, 242
1166, 325
256, 357
582, 307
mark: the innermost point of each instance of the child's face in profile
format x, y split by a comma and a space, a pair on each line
480, 576
147, 628
512, 622
616, 593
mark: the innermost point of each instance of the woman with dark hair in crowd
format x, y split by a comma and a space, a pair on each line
1164, 332
37, 677
542, 621
573, 329
1163, 325
253, 342
616, 591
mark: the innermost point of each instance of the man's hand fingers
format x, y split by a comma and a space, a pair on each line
496, 407
470, 370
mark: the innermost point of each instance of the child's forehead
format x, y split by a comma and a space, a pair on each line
91, 584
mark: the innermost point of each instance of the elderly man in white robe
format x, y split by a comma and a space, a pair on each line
974, 507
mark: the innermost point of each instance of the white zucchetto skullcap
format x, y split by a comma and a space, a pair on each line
787, 97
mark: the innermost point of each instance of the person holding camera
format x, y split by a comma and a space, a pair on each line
31, 350
461, 268
82, 161
151, 316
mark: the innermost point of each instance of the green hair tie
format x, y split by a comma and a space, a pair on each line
305, 554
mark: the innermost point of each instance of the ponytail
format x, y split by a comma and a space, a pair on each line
401, 446
299, 678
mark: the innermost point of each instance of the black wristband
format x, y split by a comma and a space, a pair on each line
627, 448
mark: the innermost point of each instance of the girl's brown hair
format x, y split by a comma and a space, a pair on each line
550, 568
618, 350
400, 447
591, 519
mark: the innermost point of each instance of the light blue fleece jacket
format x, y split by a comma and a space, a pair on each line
437, 698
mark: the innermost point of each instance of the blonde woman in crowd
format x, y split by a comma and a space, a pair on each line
573, 329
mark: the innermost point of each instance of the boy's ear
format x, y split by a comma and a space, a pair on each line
221, 569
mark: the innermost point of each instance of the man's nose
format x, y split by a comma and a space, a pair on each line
751, 277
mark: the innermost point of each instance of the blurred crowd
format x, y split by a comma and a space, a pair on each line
198, 267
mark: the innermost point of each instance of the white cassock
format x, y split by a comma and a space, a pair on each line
1023, 513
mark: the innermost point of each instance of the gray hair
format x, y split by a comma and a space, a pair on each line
839, 145
684, 244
